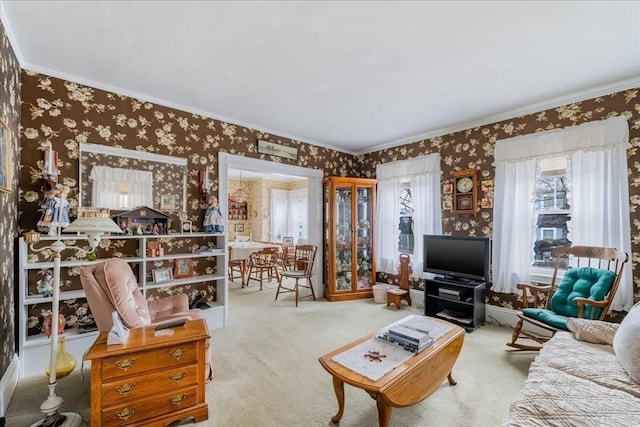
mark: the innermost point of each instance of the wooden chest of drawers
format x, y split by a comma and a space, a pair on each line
150, 380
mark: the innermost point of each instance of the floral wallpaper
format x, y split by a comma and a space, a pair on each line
66, 114
10, 113
473, 149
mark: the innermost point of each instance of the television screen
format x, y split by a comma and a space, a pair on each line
458, 257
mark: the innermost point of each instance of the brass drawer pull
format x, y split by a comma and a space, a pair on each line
125, 413
177, 354
125, 364
178, 399
126, 388
178, 377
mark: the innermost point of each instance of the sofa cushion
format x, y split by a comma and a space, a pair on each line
575, 383
626, 344
121, 287
586, 282
593, 331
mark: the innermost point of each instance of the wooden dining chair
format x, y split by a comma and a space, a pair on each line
261, 263
234, 266
304, 258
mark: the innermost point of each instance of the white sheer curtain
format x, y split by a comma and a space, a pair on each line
279, 201
387, 214
424, 173
600, 200
513, 213
297, 224
601, 196
109, 183
289, 214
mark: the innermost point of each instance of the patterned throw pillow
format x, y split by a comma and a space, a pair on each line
593, 331
626, 344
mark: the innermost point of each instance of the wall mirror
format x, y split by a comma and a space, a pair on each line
121, 179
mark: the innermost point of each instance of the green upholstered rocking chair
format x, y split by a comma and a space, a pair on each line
586, 290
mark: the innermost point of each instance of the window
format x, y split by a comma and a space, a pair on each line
403, 186
552, 210
577, 174
406, 238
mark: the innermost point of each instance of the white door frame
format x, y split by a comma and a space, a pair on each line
228, 161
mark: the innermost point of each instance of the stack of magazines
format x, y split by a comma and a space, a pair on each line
410, 339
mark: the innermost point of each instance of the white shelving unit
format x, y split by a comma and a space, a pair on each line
34, 349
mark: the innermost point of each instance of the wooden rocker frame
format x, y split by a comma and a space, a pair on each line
584, 256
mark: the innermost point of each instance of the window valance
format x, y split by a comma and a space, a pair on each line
598, 134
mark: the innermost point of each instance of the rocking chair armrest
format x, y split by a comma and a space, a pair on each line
581, 302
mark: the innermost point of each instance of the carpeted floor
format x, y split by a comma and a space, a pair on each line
267, 371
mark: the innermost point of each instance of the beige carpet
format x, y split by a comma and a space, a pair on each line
267, 371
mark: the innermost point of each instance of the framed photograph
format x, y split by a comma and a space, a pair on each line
486, 203
183, 268
168, 202
185, 227
447, 205
162, 275
486, 185
287, 240
273, 149
447, 188
6, 162
239, 228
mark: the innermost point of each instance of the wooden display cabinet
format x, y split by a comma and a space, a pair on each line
350, 270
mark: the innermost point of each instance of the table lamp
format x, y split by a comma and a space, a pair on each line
92, 224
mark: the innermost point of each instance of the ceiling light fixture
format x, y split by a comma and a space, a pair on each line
240, 195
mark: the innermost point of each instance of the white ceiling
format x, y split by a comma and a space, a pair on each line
351, 75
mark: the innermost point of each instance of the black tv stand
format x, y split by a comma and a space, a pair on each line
454, 280
459, 301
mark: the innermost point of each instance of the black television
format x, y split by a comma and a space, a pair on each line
458, 258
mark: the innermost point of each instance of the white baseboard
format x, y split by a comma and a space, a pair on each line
8, 384
505, 316
500, 315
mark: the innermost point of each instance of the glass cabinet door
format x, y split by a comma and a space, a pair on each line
364, 219
343, 241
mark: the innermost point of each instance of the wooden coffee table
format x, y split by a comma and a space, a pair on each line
407, 384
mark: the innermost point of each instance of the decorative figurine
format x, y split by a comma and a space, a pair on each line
56, 209
45, 285
213, 217
125, 227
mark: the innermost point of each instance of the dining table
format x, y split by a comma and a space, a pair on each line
241, 251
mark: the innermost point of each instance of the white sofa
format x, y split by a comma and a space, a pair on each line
587, 377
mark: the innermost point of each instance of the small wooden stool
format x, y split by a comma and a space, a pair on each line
395, 296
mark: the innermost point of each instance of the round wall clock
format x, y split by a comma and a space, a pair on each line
464, 184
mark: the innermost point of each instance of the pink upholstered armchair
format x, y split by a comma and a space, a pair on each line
111, 286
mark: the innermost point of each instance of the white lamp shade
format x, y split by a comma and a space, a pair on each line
92, 225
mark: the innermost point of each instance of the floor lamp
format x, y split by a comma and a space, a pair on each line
92, 227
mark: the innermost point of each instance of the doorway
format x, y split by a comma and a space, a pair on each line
229, 161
